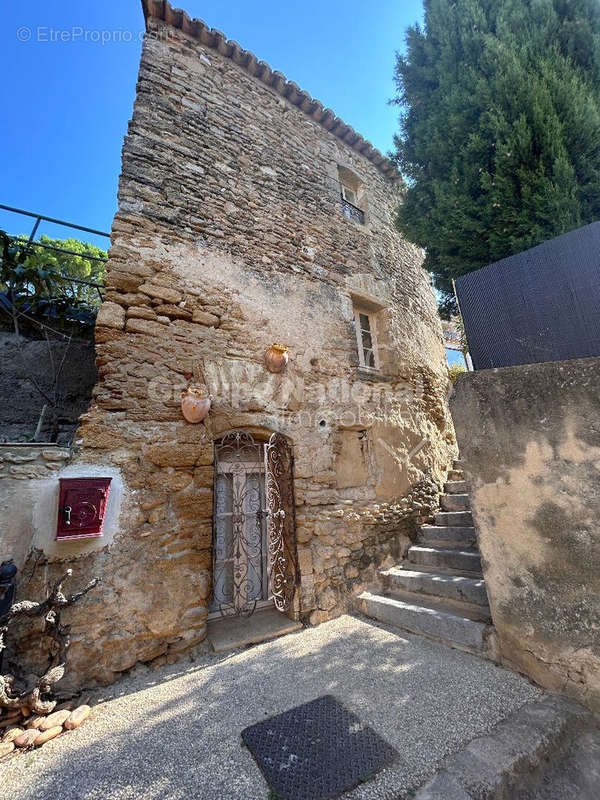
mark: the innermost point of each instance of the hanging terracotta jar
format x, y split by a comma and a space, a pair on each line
277, 357
195, 404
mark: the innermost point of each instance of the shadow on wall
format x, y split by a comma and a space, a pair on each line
37, 373
529, 439
176, 732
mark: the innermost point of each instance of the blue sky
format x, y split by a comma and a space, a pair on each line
454, 357
67, 103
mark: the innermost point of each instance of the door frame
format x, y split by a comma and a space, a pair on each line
271, 456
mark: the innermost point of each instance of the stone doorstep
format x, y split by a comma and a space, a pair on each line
427, 619
232, 632
512, 759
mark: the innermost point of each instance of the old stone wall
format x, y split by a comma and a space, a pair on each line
530, 441
229, 237
34, 370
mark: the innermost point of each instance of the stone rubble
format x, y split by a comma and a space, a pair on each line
34, 731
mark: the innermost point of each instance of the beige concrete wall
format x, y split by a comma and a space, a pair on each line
529, 438
29, 493
25, 472
229, 237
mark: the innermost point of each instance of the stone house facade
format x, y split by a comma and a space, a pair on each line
248, 215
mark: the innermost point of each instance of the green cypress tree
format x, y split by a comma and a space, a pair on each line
500, 129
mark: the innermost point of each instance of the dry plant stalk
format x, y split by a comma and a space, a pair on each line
18, 690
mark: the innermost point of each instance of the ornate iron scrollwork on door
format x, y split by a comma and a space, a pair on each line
283, 559
240, 553
254, 537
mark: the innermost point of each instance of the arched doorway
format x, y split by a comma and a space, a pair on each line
254, 539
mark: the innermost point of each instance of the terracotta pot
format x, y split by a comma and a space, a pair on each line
195, 404
277, 357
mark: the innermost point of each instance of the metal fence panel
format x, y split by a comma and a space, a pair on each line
539, 305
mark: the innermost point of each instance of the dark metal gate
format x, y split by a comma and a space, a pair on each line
254, 542
539, 305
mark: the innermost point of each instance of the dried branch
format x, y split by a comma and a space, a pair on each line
16, 691
75, 597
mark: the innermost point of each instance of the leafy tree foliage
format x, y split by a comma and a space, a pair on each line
500, 129
73, 266
454, 370
38, 280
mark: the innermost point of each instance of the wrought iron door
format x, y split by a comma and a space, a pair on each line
254, 550
240, 551
279, 470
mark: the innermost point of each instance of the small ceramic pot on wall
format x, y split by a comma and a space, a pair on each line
195, 404
277, 357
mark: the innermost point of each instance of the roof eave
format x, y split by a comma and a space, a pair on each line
162, 11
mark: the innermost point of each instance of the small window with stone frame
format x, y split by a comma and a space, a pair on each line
366, 338
353, 195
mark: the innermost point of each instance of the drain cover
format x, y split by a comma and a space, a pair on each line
316, 751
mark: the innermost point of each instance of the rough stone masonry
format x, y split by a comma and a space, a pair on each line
230, 236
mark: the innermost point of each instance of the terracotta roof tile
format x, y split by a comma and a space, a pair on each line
163, 11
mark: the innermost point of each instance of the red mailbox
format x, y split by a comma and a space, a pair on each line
81, 507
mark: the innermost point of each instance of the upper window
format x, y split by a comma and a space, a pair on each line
349, 195
366, 338
353, 195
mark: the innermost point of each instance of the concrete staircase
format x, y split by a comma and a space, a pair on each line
439, 591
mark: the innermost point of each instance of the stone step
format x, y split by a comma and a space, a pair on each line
437, 569
449, 587
455, 475
428, 619
454, 518
543, 742
457, 607
456, 502
448, 536
576, 775
457, 464
456, 487
467, 560
227, 633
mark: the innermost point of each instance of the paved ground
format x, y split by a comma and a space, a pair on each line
175, 732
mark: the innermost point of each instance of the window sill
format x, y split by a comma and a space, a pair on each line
374, 375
